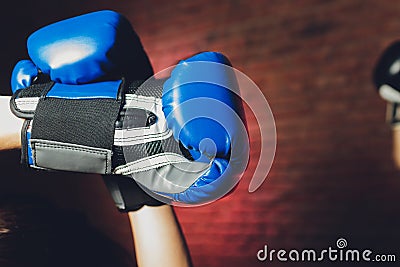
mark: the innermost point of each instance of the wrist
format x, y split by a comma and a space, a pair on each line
10, 135
393, 114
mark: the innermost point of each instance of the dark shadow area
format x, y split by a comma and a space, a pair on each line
33, 232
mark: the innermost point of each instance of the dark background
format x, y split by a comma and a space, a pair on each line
333, 175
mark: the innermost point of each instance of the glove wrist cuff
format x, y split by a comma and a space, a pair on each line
128, 196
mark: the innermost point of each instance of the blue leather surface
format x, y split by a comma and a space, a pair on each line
85, 91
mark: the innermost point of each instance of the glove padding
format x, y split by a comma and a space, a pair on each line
83, 49
118, 127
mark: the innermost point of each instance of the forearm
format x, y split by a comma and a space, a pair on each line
396, 145
158, 238
11, 126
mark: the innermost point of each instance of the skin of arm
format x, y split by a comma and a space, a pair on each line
392, 118
396, 145
158, 238
10, 131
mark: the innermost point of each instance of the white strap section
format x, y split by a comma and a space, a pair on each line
27, 103
173, 177
150, 162
157, 131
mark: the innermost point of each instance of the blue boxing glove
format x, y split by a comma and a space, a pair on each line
182, 139
89, 48
203, 109
96, 46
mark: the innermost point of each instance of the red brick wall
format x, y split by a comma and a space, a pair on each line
333, 175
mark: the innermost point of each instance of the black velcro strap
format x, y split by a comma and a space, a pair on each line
83, 122
75, 134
